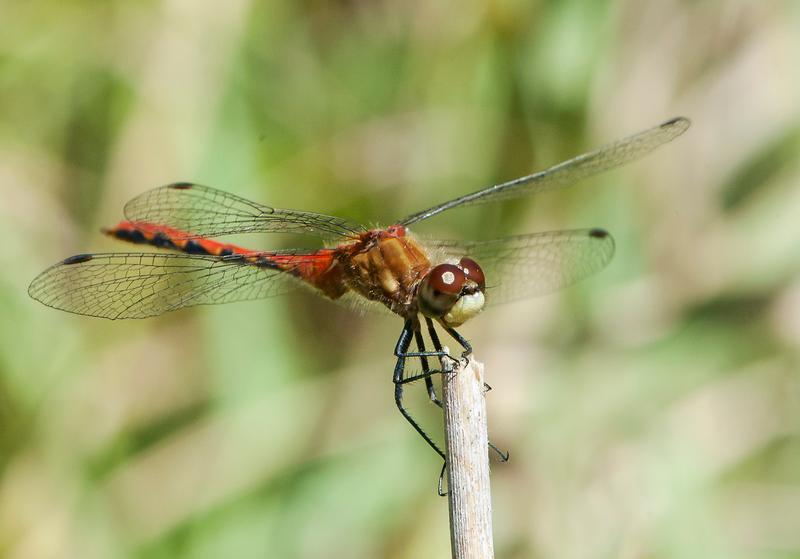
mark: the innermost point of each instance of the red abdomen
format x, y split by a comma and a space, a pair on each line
318, 268
162, 236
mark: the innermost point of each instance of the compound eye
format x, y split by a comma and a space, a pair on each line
440, 289
447, 279
473, 271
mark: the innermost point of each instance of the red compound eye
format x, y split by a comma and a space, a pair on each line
440, 289
447, 279
473, 271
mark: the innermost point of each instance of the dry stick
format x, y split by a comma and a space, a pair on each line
466, 439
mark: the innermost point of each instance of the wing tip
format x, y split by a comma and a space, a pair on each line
604, 236
679, 124
181, 185
37, 287
76, 259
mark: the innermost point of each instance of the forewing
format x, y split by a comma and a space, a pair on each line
139, 285
564, 174
202, 211
528, 265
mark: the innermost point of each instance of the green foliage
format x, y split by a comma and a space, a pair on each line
651, 411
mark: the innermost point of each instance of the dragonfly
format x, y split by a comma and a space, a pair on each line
429, 283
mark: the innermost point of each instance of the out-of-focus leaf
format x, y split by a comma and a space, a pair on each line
755, 173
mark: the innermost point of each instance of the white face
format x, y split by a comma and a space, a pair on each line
452, 293
465, 308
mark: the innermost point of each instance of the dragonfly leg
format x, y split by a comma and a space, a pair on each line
442, 492
462, 341
437, 344
401, 352
426, 368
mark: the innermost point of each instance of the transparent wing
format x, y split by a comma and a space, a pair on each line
139, 285
201, 211
568, 172
528, 265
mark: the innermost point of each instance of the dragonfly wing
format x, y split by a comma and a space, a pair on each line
139, 285
202, 211
564, 174
528, 265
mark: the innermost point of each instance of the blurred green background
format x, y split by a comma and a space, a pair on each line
653, 411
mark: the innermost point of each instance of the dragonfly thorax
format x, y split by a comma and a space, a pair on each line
386, 266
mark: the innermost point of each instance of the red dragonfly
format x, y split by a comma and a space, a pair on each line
439, 280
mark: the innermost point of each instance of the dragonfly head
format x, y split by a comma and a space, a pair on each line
452, 293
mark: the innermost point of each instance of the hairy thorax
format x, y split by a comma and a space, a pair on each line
385, 266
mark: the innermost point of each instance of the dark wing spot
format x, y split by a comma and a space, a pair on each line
77, 259
672, 121
598, 233
181, 185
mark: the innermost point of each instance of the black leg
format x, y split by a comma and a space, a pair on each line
442, 492
423, 355
426, 369
460, 339
437, 345
400, 351
503, 456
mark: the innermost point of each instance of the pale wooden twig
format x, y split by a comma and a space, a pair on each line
466, 441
